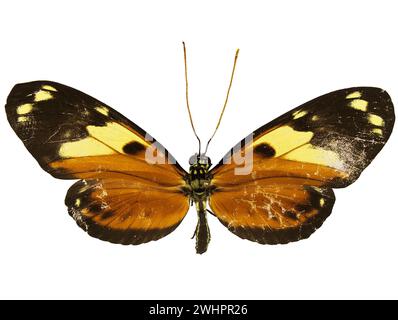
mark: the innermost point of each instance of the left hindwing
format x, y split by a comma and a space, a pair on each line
296, 160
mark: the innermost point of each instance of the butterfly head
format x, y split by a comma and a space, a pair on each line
200, 160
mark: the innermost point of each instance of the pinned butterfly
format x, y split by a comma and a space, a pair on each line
132, 191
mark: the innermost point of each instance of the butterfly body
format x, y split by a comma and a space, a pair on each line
199, 189
273, 187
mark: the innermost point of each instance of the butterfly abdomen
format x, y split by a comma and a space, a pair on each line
202, 231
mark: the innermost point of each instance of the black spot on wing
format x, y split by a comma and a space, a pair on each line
291, 215
133, 148
303, 208
95, 207
265, 150
107, 215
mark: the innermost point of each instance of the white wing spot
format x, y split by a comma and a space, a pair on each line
359, 104
42, 95
377, 131
299, 114
375, 120
22, 119
103, 110
354, 95
47, 87
24, 108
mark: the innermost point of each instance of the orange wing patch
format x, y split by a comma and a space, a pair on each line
263, 168
126, 211
272, 211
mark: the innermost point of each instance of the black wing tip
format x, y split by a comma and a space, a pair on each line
22, 89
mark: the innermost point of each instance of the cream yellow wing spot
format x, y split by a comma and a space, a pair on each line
103, 140
377, 131
48, 87
42, 95
359, 104
284, 139
84, 148
77, 202
321, 202
354, 95
299, 114
24, 108
22, 119
376, 120
103, 110
310, 154
315, 118
115, 135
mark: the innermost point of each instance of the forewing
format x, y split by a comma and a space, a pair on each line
73, 135
330, 139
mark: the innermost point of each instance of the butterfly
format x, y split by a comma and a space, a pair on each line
132, 191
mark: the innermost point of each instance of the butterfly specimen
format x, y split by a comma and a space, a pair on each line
132, 191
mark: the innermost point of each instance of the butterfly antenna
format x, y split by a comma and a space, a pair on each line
226, 100
186, 97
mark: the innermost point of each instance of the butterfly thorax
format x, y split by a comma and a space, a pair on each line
198, 180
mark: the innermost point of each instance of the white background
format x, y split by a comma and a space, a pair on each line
129, 55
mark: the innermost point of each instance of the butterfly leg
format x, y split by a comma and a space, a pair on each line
194, 233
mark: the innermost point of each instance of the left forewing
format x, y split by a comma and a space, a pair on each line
73, 135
